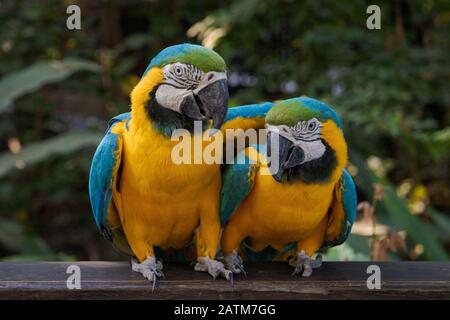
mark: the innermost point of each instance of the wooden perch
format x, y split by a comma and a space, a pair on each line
335, 280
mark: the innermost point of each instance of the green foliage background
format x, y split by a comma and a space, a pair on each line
58, 87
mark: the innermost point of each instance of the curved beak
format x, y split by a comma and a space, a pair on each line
288, 154
213, 99
210, 101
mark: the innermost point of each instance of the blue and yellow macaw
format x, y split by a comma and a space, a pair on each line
298, 201
141, 199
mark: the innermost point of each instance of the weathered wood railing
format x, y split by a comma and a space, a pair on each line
335, 280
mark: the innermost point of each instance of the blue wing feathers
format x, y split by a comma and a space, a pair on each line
237, 182
349, 202
101, 176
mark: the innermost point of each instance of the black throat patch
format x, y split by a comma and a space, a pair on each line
166, 120
314, 171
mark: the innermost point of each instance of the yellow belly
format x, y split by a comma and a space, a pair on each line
283, 213
161, 202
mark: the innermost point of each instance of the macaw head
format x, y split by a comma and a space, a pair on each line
307, 137
181, 84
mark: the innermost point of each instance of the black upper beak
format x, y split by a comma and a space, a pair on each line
211, 102
289, 155
295, 156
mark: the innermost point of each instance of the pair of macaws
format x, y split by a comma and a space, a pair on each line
145, 204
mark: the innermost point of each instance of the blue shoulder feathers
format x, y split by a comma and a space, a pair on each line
249, 111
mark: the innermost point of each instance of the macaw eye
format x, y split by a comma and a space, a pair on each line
311, 126
178, 71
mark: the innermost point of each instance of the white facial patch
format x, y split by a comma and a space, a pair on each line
312, 149
182, 75
170, 97
181, 80
305, 134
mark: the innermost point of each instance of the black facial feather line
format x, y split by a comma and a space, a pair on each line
189, 78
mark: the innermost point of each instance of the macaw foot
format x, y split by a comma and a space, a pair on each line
213, 267
304, 263
149, 268
234, 263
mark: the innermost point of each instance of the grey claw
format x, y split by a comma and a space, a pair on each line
149, 268
307, 270
297, 270
241, 268
154, 283
234, 263
232, 280
304, 265
213, 267
316, 263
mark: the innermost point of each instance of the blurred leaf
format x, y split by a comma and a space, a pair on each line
135, 41
125, 65
14, 237
441, 222
344, 252
398, 213
359, 244
29, 79
436, 143
40, 151
419, 231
